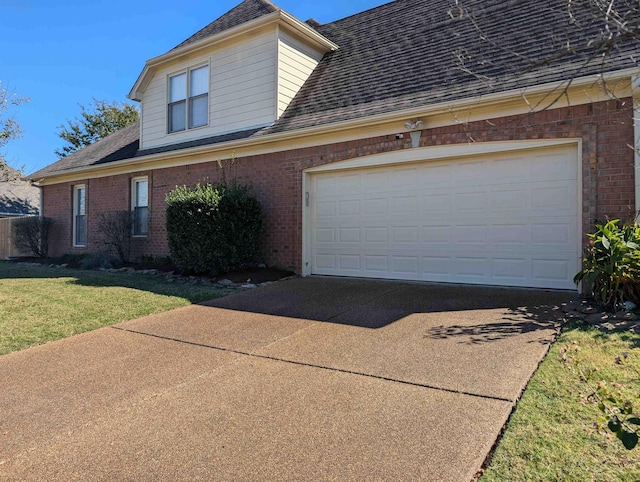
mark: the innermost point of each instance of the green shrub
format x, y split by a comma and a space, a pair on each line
611, 264
214, 228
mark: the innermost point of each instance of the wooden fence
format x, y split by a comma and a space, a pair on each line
7, 246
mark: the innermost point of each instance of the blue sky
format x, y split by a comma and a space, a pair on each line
63, 53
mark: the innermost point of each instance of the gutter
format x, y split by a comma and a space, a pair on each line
372, 121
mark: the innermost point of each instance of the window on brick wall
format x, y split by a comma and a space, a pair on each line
140, 205
79, 215
189, 99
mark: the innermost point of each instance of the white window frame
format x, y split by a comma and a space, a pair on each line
134, 205
188, 98
76, 207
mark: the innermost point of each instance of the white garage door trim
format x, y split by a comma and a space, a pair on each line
436, 153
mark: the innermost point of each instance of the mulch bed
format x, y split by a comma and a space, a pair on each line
250, 275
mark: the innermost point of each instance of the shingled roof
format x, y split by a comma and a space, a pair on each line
413, 53
17, 196
120, 145
248, 10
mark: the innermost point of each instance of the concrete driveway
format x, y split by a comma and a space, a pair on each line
306, 379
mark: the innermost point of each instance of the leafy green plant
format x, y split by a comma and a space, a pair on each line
611, 264
214, 228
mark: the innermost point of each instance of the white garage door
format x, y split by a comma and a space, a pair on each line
507, 219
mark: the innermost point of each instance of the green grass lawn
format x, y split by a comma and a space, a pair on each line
41, 304
555, 432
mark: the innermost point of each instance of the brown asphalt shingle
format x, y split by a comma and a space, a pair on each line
413, 53
118, 146
248, 10
17, 196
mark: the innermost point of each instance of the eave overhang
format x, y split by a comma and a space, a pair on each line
520, 101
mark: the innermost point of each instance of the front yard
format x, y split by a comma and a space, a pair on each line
557, 431
41, 304
554, 434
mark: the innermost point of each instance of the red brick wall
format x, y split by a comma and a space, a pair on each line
606, 129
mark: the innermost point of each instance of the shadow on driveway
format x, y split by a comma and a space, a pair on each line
375, 304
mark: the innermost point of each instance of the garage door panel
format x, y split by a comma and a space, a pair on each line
428, 221
404, 205
405, 264
325, 263
508, 234
472, 267
470, 202
404, 178
435, 176
324, 235
436, 235
376, 264
349, 207
510, 269
508, 170
374, 181
469, 173
507, 200
436, 203
555, 195
470, 234
350, 182
376, 234
561, 166
349, 235
325, 209
375, 206
556, 235
552, 270
349, 262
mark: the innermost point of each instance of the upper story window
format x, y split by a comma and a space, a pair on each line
140, 205
189, 99
79, 216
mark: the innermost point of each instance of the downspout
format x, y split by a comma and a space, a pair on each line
635, 89
41, 207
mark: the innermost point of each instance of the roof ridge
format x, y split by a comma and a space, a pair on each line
267, 3
244, 12
360, 13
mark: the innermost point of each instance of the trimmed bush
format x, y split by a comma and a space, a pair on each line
214, 228
32, 234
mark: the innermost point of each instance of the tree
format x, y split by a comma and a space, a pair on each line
9, 128
99, 120
589, 37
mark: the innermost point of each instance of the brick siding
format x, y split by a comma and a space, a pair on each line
606, 130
